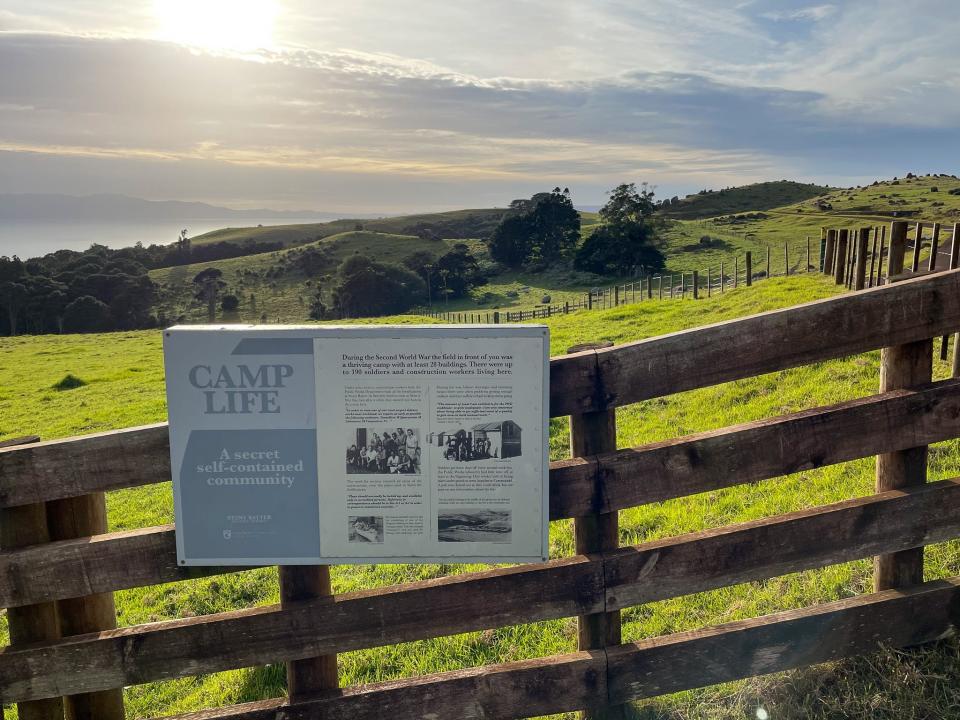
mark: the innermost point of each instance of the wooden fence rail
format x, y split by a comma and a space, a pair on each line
595, 584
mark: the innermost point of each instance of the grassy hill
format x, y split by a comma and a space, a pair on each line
124, 386
272, 283
453, 224
759, 196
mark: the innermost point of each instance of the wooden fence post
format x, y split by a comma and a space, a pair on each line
659, 287
696, 284
851, 258
903, 366
786, 261
828, 252
590, 434
709, 281
616, 295
953, 264
721, 276
917, 247
860, 273
649, 287
309, 676
883, 242
768, 262
840, 264
873, 257
749, 270
20, 526
807, 268
736, 272
934, 247
78, 517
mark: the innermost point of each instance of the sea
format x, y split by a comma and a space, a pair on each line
28, 239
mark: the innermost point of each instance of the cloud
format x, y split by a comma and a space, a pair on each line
364, 125
813, 13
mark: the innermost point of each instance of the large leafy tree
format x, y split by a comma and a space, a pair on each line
369, 288
86, 314
628, 206
456, 271
628, 241
545, 228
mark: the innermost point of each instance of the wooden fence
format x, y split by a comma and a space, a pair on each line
48, 584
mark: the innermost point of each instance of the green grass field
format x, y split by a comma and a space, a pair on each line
124, 377
442, 222
280, 293
745, 198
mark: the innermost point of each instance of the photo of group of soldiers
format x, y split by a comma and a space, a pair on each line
390, 451
462, 446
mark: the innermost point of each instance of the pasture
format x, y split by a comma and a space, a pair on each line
124, 386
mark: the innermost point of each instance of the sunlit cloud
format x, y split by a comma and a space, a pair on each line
519, 96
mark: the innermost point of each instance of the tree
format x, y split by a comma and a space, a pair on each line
628, 239
543, 229
627, 206
371, 288
557, 226
13, 295
209, 286
318, 309
86, 314
612, 250
458, 270
512, 240
229, 303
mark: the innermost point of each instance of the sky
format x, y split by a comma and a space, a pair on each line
394, 106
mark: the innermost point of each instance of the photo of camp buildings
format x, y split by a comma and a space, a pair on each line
474, 525
485, 441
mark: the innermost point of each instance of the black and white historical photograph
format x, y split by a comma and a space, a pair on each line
365, 528
474, 525
498, 440
383, 450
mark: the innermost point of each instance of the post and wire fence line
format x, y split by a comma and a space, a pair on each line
63, 657
739, 271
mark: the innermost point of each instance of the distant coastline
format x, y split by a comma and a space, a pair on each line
28, 239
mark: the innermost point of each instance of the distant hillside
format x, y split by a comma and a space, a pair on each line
122, 208
459, 224
746, 198
279, 284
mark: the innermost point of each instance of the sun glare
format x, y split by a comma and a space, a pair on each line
217, 24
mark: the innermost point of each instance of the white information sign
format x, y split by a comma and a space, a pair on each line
359, 444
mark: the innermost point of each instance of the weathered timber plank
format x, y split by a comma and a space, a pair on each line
699, 561
859, 625
651, 473
244, 638
638, 670
803, 540
492, 692
90, 565
78, 466
833, 328
756, 450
